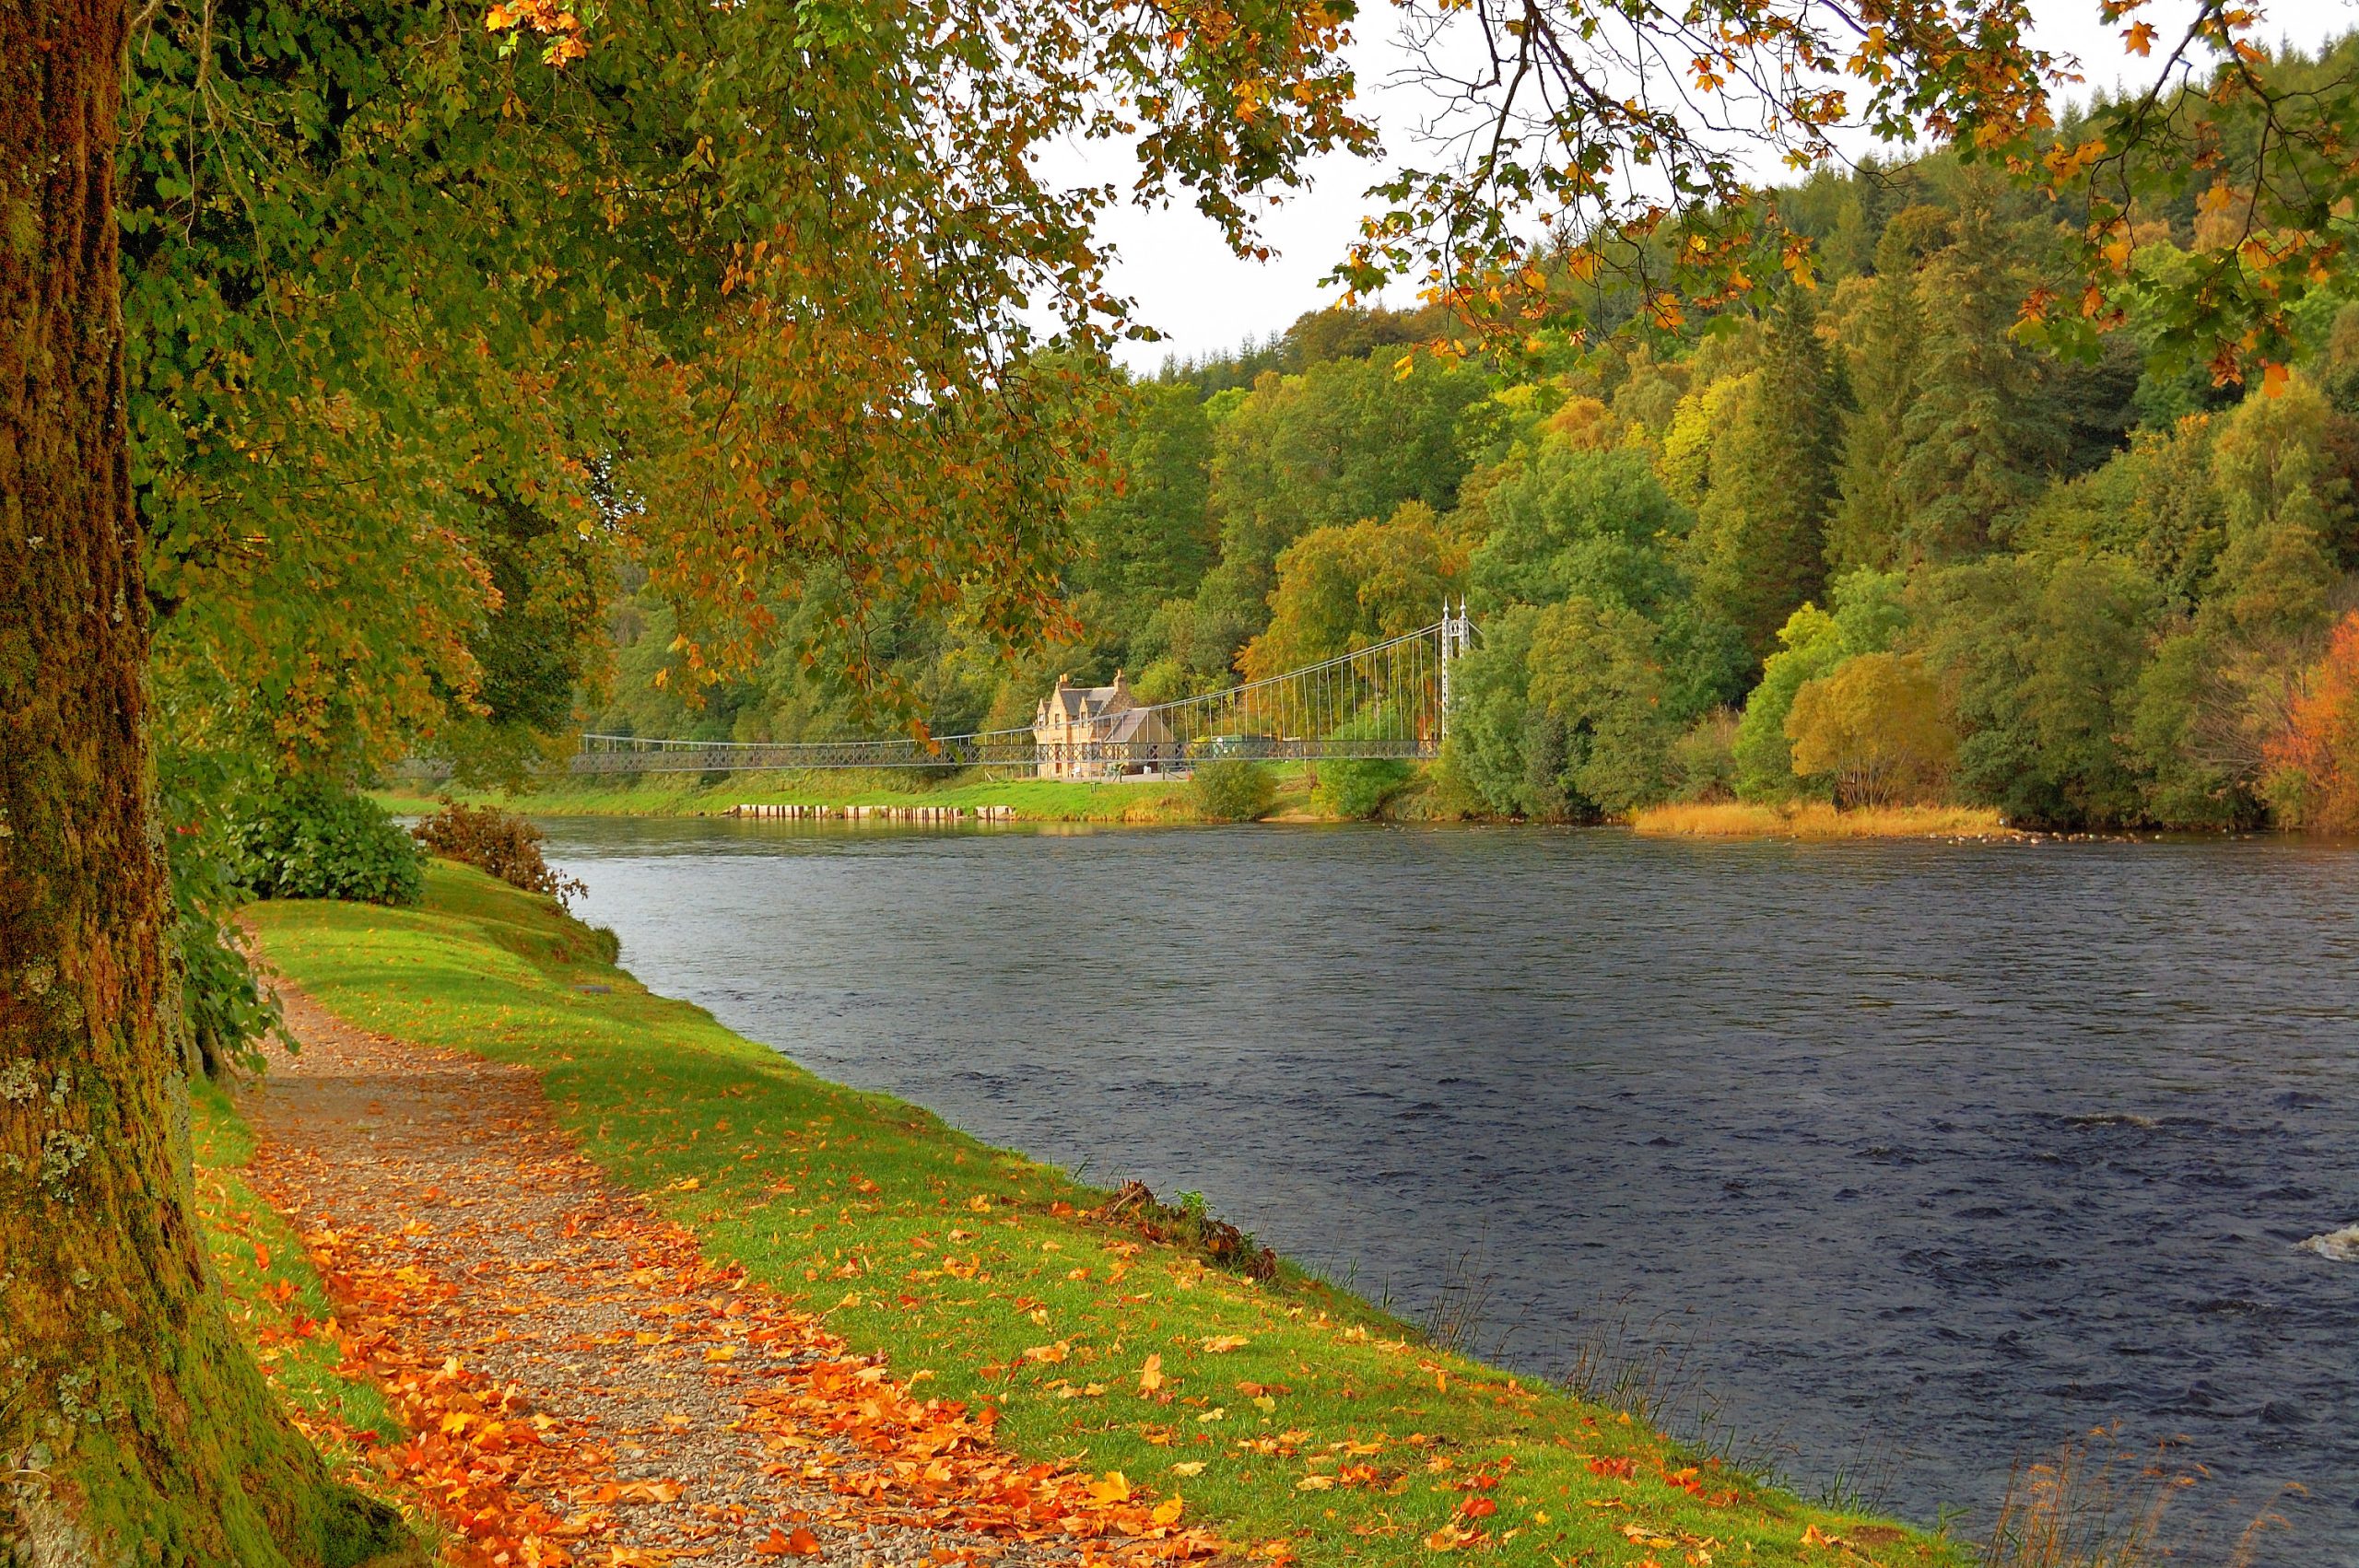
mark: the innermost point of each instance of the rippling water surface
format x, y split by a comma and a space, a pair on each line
1930, 1156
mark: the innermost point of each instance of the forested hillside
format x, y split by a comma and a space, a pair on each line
1875, 544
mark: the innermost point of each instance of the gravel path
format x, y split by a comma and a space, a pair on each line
679, 1394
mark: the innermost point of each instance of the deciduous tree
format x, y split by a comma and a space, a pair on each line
132, 1419
813, 239
1341, 589
1874, 724
2312, 762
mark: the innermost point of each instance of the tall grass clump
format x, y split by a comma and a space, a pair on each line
2090, 1506
1815, 819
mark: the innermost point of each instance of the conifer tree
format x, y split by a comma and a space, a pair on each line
1880, 342
1760, 536
1977, 440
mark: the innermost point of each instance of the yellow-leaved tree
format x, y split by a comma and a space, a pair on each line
1874, 724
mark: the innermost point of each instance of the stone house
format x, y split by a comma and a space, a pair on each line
1073, 717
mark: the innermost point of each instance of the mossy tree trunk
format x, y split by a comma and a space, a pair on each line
133, 1426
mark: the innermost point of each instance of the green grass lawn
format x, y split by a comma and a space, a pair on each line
696, 794
1289, 1413
1132, 801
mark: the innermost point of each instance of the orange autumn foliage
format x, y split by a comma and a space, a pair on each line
2312, 762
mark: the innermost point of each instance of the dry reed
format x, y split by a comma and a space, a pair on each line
1816, 819
2093, 1506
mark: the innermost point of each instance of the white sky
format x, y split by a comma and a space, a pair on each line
1202, 298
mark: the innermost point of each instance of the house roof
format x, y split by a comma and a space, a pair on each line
1072, 702
1082, 701
1129, 723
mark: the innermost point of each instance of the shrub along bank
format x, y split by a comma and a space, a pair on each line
1288, 1413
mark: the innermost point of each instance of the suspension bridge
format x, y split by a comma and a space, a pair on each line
1388, 701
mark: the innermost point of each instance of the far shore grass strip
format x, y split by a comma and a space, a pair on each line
1137, 802
1817, 819
1295, 1418
1162, 802
696, 794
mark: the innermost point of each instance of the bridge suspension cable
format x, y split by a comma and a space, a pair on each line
1390, 699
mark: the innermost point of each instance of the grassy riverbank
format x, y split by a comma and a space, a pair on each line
1141, 803
1424, 798
1290, 1415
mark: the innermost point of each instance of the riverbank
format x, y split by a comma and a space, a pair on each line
1141, 802
1161, 802
1287, 1414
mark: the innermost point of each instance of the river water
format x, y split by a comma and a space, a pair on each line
1904, 1162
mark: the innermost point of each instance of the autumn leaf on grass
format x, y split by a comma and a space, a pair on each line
1150, 1375
1221, 1344
1190, 1468
1166, 1512
1114, 1488
802, 1543
1049, 1355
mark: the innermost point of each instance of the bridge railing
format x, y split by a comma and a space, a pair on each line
1387, 700
631, 754
624, 753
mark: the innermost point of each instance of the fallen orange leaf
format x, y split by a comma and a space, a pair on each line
779, 1543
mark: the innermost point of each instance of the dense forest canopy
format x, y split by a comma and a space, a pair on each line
1869, 540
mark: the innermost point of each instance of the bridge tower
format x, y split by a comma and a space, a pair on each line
1457, 636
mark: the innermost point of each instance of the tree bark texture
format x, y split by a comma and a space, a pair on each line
134, 1428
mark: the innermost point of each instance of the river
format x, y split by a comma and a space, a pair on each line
1902, 1162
